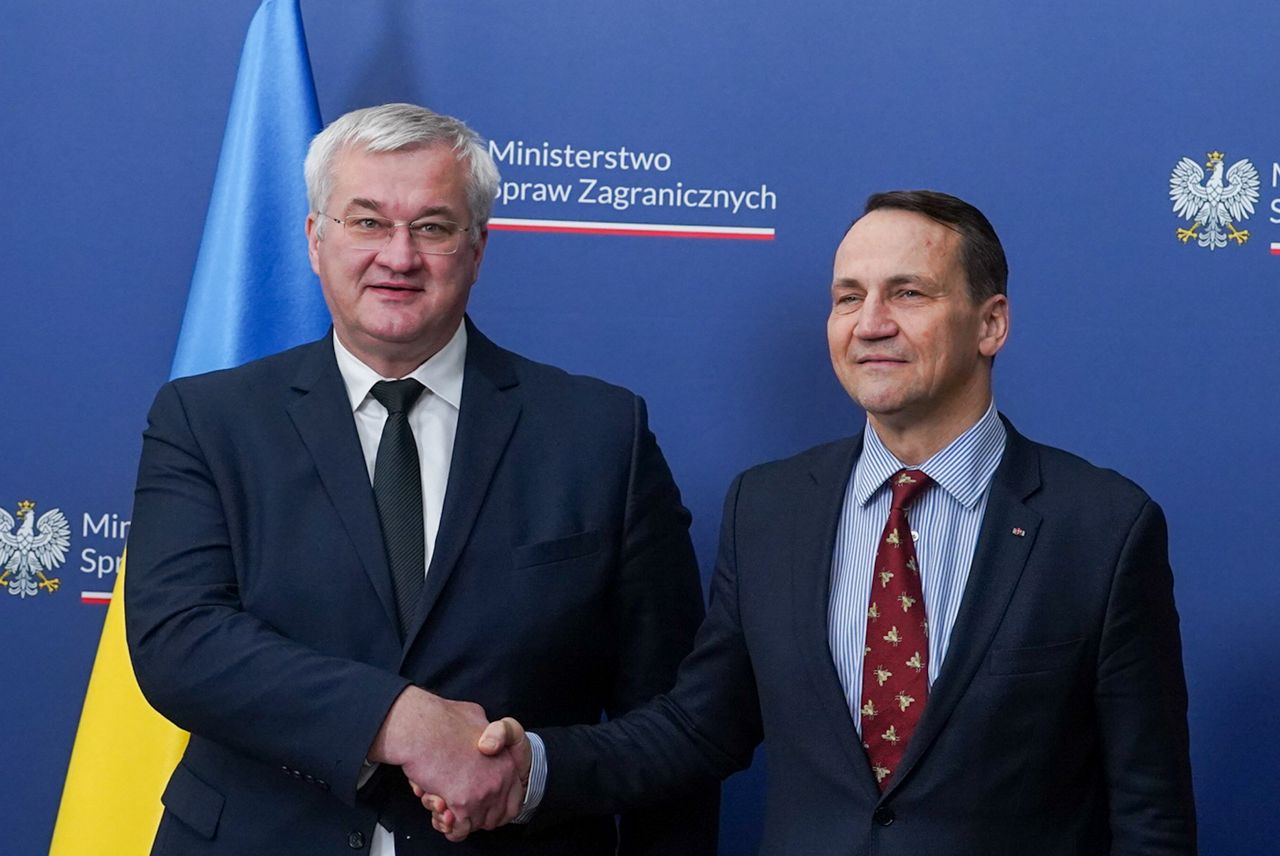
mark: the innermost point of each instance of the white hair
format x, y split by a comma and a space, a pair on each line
396, 127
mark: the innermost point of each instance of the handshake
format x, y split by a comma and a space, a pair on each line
468, 772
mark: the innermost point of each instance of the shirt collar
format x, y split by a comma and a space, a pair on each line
442, 373
963, 468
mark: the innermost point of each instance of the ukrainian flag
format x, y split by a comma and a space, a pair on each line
252, 293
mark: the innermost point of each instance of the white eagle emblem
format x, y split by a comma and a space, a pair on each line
1215, 206
36, 547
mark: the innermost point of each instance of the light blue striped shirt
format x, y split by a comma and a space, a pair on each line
944, 522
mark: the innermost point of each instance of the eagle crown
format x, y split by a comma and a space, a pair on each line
25, 507
1215, 158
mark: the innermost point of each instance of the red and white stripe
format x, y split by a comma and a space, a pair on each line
100, 597
1275, 248
647, 230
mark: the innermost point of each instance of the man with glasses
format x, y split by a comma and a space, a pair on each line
330, 542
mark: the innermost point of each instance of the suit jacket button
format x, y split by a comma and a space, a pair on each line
356, 840
883, 815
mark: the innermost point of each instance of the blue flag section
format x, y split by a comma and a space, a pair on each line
675, 179
253, 292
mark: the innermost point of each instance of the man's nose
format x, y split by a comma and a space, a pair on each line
875, 320
399, 253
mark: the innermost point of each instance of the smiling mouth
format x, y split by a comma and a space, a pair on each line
395, 288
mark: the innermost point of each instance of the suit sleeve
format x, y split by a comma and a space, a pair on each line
704, 729
206, 663
1141, 700
657, 607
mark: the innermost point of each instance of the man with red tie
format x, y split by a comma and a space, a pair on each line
955, 640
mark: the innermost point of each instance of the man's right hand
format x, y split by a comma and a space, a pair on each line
503, 737
434, 741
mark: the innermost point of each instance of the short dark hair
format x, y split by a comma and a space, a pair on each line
981, 254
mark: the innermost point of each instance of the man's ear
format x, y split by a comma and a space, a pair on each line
478, 249
313, 239
994, 330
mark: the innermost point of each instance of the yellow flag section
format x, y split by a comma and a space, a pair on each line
246, 271
123, 756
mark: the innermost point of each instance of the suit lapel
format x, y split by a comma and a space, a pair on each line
816, 520
999, 557
321, 412
486, 419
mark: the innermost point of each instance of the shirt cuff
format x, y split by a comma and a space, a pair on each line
537, 780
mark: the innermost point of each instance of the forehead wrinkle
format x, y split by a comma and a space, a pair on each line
425, 211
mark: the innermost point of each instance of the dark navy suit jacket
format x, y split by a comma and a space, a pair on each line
1057, 724
261, 618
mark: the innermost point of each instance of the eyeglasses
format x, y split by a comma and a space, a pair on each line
428, 235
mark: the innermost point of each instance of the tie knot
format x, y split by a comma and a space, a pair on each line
397, 395
907, 486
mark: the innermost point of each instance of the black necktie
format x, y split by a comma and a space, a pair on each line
397, 488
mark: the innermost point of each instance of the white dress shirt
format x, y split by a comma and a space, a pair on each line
433, 418
945, 522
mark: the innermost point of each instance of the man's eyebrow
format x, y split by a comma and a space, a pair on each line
845, 283
433, 210
361, 202
910, 279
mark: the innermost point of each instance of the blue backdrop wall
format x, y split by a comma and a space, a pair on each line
1152, 356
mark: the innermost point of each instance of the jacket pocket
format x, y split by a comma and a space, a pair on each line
556, 550
1039, 658
193, 802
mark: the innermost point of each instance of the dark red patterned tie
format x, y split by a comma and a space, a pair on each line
895, 669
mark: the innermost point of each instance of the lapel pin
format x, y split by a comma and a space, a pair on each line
1019, 531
